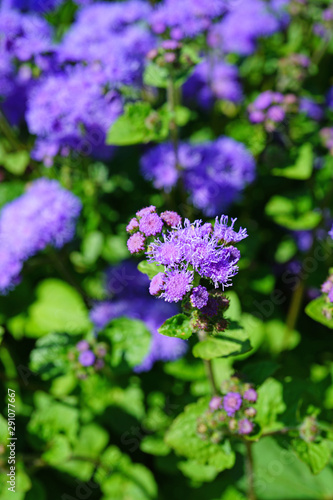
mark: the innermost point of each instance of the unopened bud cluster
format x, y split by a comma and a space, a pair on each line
309, 429
232, 413
171, 54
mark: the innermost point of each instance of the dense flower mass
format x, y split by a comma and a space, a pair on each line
80, 116
244, 23
45, 215
188, 250
214, 173
213, 80
130, 290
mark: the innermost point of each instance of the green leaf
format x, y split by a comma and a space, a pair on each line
182, 437
150, 269
281, 476
154, 446
293, 213
178, 326
231, 343
156, 76
130, 340
58, 308
58, 452
269, 405
139, 124
50, 357
198, 472
91, 441
92, 246
17, 162
315, 455
303, 167
119, 478
51, 418
315, 310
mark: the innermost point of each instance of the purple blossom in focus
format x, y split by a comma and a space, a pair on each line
199, 297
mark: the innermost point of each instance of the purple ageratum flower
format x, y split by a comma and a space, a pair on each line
232, 403
146, 211
276, 114
199, 297
244, 23
83, 345
136, 243
157, 284
251, 395
194, 245
186, 19
177, 284
245, 426
215, 403
311, 108
24, 36
132, 225
227, 234
213, 80
214, 173
79, 118
87, 358
151, 224
171, 218
45, 215
114, 26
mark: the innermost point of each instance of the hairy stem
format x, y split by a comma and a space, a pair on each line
249, 465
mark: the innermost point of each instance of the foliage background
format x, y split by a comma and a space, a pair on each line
103, 436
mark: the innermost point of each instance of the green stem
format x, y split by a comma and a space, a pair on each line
293, 312
209, 367
174, 132
249, 465
8, 132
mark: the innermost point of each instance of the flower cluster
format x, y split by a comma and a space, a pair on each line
129, 289
292, 71
211, 80
230, 414
187, 252
327, 290
87, 357
78, 119
270, 108
245, 22
45, 215
309, 429
213, 173
185, 19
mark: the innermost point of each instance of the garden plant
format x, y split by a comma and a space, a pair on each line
166, 242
